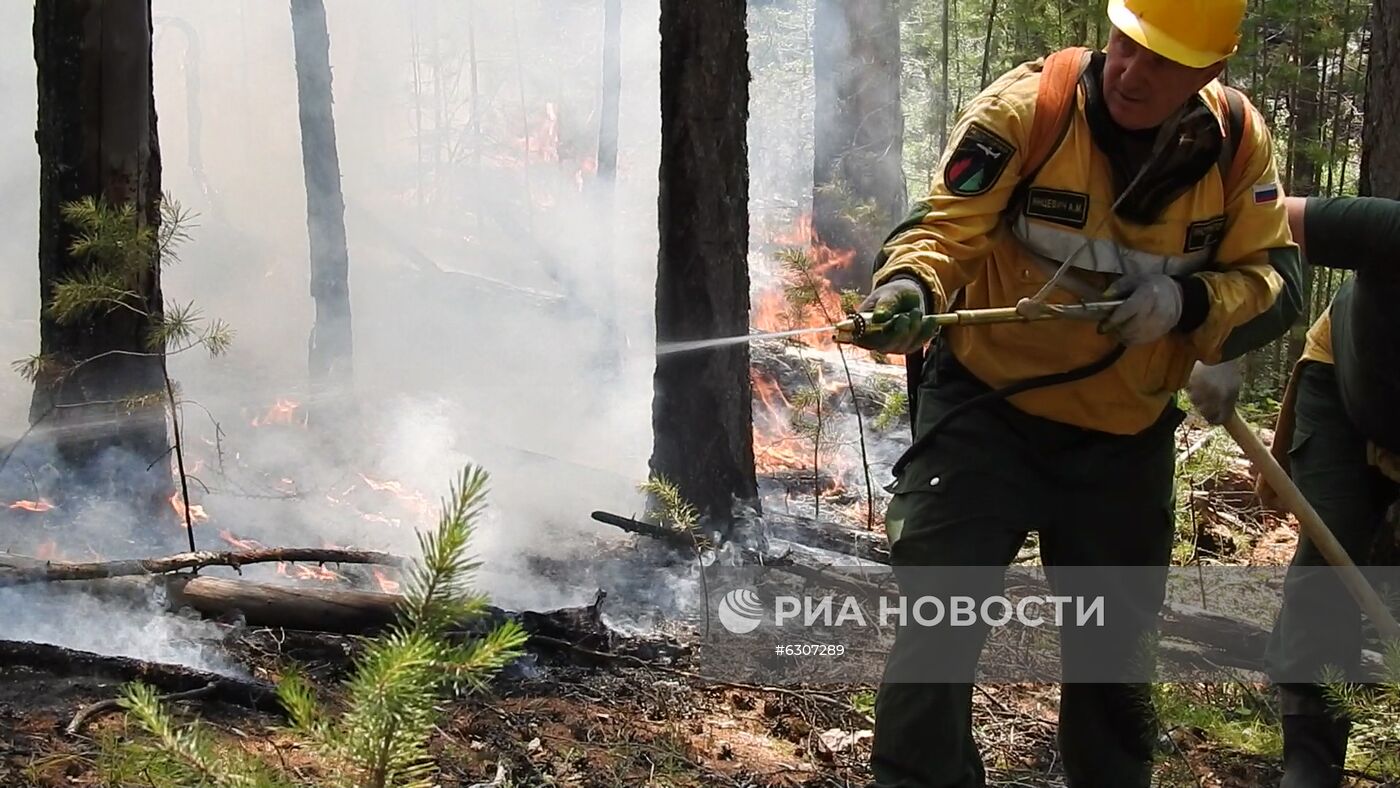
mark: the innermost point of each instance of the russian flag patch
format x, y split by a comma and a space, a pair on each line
1265, 193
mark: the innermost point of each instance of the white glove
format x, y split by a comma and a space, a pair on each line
1214, 390
1152, 308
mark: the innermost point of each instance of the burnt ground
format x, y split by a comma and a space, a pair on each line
627, 722
610, 727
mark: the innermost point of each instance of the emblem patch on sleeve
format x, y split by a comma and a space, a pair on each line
977, 163
1265, 193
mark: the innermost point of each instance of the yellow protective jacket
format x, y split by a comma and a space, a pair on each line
962, 247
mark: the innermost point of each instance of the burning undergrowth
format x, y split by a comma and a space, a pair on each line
828, 419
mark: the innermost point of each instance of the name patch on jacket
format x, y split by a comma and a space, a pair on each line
977, 163
1203, 235
1068, 208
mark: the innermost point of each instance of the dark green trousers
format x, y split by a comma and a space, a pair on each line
994, 475
1319, 624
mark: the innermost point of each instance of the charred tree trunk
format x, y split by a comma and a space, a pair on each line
702, 414
858, 177
330, 347
97, 138
1380, 147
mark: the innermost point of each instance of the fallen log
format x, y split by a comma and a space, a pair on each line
267, 605
361, 612
29, 570
60, 661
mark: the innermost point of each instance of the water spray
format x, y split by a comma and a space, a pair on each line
859, 325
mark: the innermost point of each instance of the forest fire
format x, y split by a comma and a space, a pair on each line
283, 411
41, 505
385, 584
413, 500
196, 512
776, 446
308, 572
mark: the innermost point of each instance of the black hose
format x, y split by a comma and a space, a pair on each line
1044, 381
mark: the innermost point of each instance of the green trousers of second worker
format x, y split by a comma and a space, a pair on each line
1319, 625
993, 475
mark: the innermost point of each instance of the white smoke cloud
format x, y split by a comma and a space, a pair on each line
481, 328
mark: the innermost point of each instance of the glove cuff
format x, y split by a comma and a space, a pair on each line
1195, 303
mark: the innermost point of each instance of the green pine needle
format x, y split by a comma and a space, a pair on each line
393, 696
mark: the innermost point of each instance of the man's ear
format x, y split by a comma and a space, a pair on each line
1210, 73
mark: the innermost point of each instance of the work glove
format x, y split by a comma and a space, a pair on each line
1151, 309
1214, 389
897, 324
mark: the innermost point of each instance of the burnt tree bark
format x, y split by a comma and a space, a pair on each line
330, 346
97, 138
858, 175
1380, 145
702, 412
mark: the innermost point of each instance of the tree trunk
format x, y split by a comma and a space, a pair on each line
858, 177
605, 184
330, 347
702, 413
97, 138
945, 94
987, 46
1380, 148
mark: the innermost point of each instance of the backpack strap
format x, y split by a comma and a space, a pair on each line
1056, 99
1238, 122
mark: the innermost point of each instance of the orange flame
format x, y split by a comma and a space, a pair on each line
776, 446
771, 309
385, 584
197, 514
307, 572
283, 411
412, 499
41, 505
241, 544
589, 166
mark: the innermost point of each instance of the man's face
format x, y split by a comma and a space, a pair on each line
1142, 88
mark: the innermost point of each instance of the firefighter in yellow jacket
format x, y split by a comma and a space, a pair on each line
1142, 198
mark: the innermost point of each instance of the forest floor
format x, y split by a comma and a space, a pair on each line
633, 723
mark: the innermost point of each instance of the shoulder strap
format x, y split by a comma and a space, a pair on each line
1238, 121
1055, 102
1056, 99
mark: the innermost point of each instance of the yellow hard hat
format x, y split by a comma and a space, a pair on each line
1195, 33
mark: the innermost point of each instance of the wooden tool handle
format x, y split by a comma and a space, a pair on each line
1314, 528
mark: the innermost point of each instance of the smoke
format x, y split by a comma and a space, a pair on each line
502, 314
138, 631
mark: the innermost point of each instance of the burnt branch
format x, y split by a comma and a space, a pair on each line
60, 661
62, 570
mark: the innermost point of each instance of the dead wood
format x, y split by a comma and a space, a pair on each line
91, 710
32, 571
810, 572
289, 607
60, 661
363, 612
